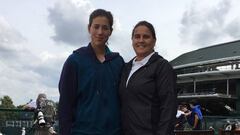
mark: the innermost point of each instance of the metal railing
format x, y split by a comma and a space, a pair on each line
195, 132
13, 121
223, 132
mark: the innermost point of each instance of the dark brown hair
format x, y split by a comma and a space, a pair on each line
101, 12
148, 25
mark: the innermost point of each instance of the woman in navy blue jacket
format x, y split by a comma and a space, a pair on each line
89, 103
147, 88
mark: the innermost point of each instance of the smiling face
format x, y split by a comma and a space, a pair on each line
99, 31
142, 41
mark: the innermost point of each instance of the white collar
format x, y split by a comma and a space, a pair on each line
143, 61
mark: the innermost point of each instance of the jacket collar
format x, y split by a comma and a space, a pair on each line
90, 52
153, 58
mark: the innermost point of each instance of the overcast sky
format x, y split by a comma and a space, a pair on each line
36, 36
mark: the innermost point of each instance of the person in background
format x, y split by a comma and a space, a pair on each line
23, 131
147, 88
180, 118
89, 103
44, 115
194, 116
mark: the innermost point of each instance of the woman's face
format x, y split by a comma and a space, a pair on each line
99, 31
143, 41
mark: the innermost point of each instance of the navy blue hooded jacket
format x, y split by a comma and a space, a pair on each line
89, 103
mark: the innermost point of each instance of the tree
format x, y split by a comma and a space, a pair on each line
56, 106
6, 103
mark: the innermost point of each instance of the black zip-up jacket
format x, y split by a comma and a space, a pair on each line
149, 101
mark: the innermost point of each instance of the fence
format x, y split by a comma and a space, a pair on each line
195, 132
12, 121
207, 132
220, 122
222, 132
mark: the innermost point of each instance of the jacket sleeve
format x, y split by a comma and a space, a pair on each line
166, 86
67, 100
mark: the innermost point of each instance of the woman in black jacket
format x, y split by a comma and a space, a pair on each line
147, 88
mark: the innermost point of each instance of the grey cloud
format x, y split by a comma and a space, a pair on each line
26, 73
205, 26
70, 22
6, 52
120, 41
9, 35
205, 36
29, 68
49, 71
217, 15
10, 40
233, 28
21, 70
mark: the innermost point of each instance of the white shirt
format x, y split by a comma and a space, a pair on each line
179, 113
138, 64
